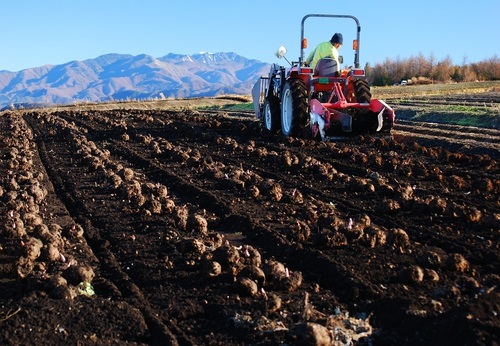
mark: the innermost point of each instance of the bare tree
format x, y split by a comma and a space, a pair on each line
426, 70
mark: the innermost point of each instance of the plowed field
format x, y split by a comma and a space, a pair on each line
196, 228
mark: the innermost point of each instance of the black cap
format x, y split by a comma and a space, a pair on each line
337, 38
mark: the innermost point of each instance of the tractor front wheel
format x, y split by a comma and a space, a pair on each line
271, 119
294, 108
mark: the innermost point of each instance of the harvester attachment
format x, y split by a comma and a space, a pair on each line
332, 119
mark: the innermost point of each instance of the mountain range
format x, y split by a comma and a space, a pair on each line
123, 76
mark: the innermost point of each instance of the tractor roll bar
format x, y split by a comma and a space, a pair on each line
356, 54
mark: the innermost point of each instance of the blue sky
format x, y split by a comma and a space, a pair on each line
35, 32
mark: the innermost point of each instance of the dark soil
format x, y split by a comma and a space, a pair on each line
193, 228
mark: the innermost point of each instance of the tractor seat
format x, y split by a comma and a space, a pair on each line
326, 67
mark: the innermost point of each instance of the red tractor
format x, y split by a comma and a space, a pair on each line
320, 102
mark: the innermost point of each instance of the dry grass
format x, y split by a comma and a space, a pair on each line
166, 104
410, 91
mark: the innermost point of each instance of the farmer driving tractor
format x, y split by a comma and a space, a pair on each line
327, 49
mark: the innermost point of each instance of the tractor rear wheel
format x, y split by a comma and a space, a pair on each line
294, 108
271, 118
362, 91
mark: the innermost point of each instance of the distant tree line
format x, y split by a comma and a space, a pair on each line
426, 70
